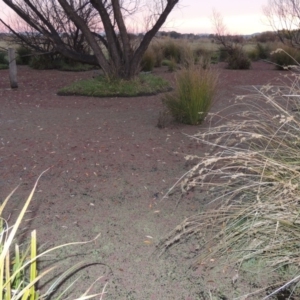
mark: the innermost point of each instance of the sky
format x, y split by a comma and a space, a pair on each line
194, 16
239, 16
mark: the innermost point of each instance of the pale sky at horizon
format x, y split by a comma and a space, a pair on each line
194, 16
239, 16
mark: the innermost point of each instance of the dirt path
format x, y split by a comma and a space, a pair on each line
109, 167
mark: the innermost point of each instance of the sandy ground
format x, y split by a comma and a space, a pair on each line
109, 167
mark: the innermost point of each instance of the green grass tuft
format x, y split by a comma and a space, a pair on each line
193, 95
143, 85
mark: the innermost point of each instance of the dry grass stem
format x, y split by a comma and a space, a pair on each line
252, 177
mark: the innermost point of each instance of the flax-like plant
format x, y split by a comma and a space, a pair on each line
252, 178
193, 96
19, 273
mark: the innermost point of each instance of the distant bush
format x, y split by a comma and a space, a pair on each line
148, 61
193, 95
238, 59
57, 61
44, 62
223, 54
157, 51
181, 53
214, 57
172, 65
202, 55
171, 50
253, 54
3, 58
73, 67
285, 57
263, 50
268, 36
3, 61
23, 55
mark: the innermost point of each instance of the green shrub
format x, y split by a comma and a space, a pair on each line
193, 95
253, 54
285, 57
214, 58
157, 51
148, 61
263, 51
44, 62
223, 54
3, 66
238, 60
3, 58
23, 55
171, 50
182, 53
73, 67
172, 65
201, 54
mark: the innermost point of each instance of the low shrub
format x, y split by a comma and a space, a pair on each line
214, 57
223, 54
23, 55
263, 51
3, 66
253, 54
238, 60
45, 62
73, 67
172, 50
203, 56
172, 65
193, 96
157, 52
3, 60
285, 57
182, 53
148, 61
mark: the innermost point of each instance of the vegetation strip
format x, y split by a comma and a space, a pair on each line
143, 85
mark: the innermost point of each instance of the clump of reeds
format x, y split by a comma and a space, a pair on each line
193, 96
253, 178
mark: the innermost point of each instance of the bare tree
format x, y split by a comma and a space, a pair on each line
93, 31
229, 41
284, 18
232, 44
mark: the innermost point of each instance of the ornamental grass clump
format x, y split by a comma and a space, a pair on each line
251, 179
193, 96
19, 272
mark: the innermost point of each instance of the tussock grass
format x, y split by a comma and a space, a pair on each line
193, 96
252, 177
19, 273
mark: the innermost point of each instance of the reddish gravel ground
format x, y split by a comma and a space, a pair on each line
109, 166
